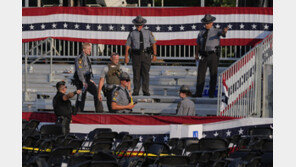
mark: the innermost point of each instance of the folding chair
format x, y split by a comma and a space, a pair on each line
51, 131
103, 164
59, 155
101, 146
173, 161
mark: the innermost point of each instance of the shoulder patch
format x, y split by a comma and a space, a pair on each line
115, 94
79, 66
153, 36
79, 61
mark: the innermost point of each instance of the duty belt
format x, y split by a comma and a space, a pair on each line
138, 51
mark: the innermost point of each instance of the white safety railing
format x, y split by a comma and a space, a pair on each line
70, 49
239, 86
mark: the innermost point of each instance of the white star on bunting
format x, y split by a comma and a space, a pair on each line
228, 133
166, 138
158, 28
54, 25
266, 27
76, 26
140, 139
87, 27
216, 134
240, 131
65, 25
229, 26
99, 27
193, 27
182, 28
42, 26
242, 26
170, 28
254, 26
154, 138
217, 26
111, 27
134, 27
146, 27
31, 27
122, 28
204, 135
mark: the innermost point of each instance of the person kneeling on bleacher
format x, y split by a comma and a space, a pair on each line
185, 107
121, 99
62, 106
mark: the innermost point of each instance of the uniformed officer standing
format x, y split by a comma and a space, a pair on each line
82, 80
111, 73
185, 107
207, 52
62, 106
140, 41
122, 102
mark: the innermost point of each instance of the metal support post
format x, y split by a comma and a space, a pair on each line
139, 3
202, 3
219, 95
153, 3
51, 54
61, 3
236, 3
26, 3
162, 3
38, 3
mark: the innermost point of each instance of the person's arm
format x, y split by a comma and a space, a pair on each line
71, 94
127, 47
115, 106
223, 32
101, 83
196, 52
79, 69
126, 60
154, 52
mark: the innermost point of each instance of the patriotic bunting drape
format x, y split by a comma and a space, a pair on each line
171, 26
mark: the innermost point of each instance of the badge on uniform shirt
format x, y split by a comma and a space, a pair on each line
79, 66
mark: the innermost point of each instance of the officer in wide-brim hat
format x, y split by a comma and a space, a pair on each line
143, 51
207, 53
139, 21
208, 19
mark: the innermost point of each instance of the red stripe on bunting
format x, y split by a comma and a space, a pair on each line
123, 11
126, 119
224, 42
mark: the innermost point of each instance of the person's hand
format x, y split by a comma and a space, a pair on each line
100, 97
93, 82
225, 30
154, 58
130, 106
126, 60
196, 57
78, 91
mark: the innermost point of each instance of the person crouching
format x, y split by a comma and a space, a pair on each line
185, 107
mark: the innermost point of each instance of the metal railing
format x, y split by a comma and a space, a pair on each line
240, 85
70, 49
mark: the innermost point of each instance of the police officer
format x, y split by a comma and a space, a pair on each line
185, 107
207, 52
82, 79
122, 102
140, 41
111, 73
62, 106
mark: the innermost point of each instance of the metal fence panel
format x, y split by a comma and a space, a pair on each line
239, 86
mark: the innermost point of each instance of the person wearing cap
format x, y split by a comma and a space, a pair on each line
140, 41
207, 53
111, 74
62, 106
83, 80
121, 100
185, 107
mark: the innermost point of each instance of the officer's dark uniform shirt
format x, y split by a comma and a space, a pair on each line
212, 40
61, 107
186, 107
133, 39
121, 97
82, 66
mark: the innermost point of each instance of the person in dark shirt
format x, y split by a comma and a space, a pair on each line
62, 106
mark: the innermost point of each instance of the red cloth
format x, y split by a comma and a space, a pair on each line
127, 119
